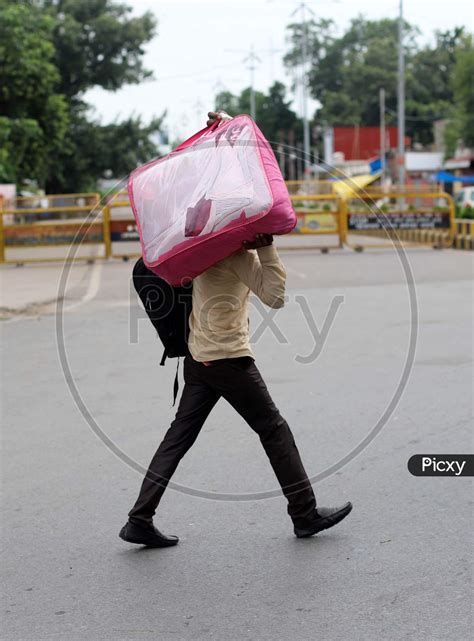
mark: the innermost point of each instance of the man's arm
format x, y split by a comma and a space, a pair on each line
263, 273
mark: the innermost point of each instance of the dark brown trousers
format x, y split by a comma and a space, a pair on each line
240, 383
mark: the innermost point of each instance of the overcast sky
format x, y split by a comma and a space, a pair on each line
199, 50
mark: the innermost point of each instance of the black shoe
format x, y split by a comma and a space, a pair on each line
149, 536
326, 517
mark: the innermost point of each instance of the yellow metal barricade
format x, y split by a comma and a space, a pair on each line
413, 217
414, 188
87, 199
416, 217
464, 238
33, 229
318, 215
120, 196
313, 187
124, 238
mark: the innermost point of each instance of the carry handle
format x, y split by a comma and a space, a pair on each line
198, 135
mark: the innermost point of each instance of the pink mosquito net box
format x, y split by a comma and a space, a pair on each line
197, 205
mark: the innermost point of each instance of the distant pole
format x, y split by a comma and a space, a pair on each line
252, 59
382, 132
281, 151
304, 89
328, 142
307, 144
401, 100
271, 51
300, 164
291, 154
253, 108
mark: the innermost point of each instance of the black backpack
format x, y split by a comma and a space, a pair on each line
168, 309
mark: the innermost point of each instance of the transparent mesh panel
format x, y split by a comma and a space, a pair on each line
201, 189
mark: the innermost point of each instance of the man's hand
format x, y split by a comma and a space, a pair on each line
261, 240
215, 116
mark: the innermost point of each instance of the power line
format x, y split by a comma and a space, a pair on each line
252, 59
209, 70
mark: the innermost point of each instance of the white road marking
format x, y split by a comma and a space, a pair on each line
90, 294
92, 289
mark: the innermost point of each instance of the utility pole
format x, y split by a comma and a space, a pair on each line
302, 8
281, 151
401, 100
252, 59
291, 155
271, 51
382, 132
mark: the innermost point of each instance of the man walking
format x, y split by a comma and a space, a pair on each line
221, 364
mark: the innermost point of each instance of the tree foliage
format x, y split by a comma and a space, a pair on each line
97, 43
347, 71
54, 50
33, 115
430, 94
461, 127
273, 110
97, 150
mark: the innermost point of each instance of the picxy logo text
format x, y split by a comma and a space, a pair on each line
441, 465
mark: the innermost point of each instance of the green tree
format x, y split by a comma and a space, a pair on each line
226, 101
33, 114
54, 50
348, 70
430, 95
98, 43
461, 126
273, 111
98, 150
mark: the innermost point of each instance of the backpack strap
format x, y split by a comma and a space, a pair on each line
176, 380
175, 384
163, 358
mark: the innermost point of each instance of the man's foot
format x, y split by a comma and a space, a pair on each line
149, 536
325, 518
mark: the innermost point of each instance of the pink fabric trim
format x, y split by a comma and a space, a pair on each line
177, 261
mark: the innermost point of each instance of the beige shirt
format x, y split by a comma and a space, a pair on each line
219, 323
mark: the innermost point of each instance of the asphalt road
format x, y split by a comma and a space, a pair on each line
397, 568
